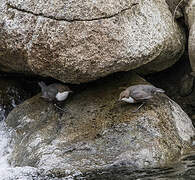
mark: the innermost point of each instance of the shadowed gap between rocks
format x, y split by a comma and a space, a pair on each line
169, 80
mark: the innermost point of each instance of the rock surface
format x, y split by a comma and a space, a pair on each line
176, 7
98, 133
80, 41
190, 20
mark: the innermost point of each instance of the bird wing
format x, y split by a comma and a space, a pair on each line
140, 95
52, 93
42, 85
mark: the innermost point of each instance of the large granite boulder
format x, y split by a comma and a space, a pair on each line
96, 132
80, 41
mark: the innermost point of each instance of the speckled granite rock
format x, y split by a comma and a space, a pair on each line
80, 41
98, 133
190, 21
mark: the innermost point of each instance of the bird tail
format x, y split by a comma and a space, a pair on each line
42, 85
159, 90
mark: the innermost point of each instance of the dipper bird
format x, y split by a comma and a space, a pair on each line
139, 93
54, 92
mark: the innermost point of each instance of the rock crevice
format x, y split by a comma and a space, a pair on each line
69, 20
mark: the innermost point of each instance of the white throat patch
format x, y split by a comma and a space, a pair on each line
128, 100
62, 96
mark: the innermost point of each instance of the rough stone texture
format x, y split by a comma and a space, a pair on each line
97, 132
190, 21
176, 7
189, 13
80, 41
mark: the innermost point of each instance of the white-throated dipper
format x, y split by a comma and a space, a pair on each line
139, 93
54, 91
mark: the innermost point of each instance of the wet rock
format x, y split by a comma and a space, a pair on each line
96, 132
80, 41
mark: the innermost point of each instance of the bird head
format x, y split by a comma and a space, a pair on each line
123, 94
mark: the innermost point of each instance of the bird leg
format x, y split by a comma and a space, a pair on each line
139, 107
59, 107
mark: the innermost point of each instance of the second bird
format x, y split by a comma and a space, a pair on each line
139, 93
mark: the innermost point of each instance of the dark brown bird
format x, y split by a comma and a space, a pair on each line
139, 93
54, 91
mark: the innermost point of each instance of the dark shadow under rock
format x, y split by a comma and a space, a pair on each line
13, 91
171, 80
